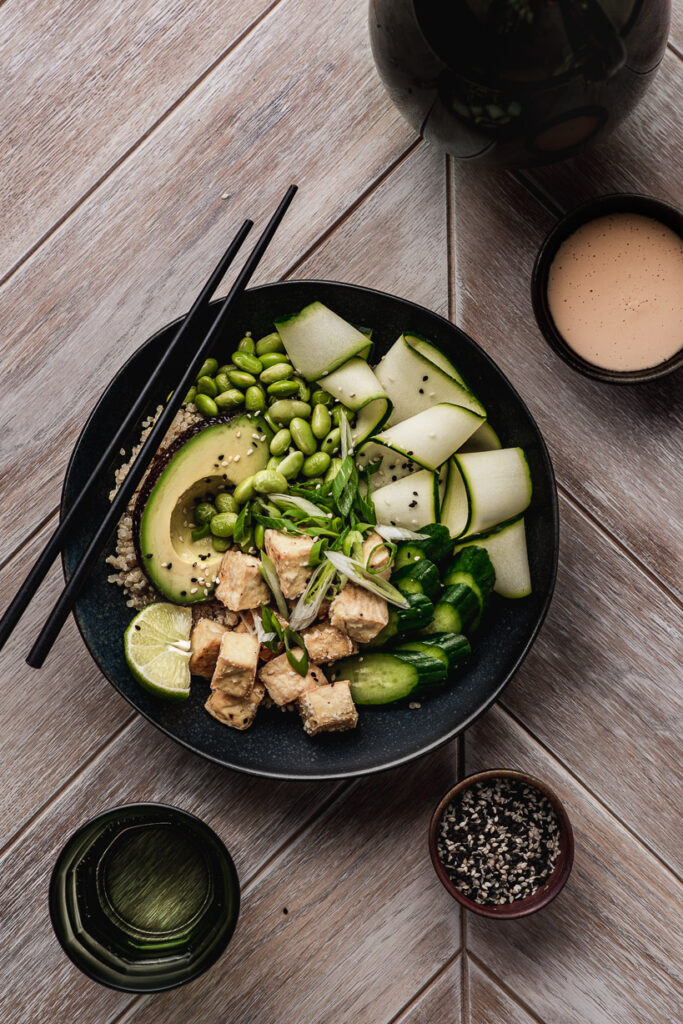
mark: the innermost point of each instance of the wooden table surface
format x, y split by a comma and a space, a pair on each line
135, 136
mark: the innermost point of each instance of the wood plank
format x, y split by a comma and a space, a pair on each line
83, 82
442, 1001
254, 817
604, 677
676, 30
615, 449
368, 921
50, 721
405, 254
133, 256
489, 1004
606, 950
641, 155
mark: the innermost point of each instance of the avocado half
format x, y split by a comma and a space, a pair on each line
201, 462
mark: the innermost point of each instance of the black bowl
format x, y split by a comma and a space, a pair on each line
601, 206
276, 745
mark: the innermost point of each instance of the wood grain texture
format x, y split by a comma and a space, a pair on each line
601, 687
489, 1004
82, 83
254, 817
368, 921
51, 721
134, 255
616, 449
606, 951
441, 1003
396, 240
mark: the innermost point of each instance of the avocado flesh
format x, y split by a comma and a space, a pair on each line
170, 558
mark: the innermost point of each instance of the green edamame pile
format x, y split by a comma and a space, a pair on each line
260, 379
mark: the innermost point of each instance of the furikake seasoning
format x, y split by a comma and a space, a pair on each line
499, 841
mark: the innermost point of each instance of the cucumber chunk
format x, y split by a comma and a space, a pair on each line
404, 620
388, 678
458, 610
422, 574
452, 648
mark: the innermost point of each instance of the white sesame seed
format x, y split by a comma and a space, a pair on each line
236, 458
250, 451
193, 590
238, 434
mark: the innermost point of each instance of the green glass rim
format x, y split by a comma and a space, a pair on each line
154, 975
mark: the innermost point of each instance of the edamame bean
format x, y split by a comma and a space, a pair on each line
225, 368
269, 359
316, 465
222, 382
280, 371
259, 535
201, 532
283, 389
254, 399
228, 399
302, 436
304, 390
207, 386
190, 396
337, 415
204, 513
332, 442
223, 524
274, 462
208, 368
270, 481
321, 422
241, 379
206, 405
221, 543
244, 490
269, 343
290, 466
225, 502
281, 442
271, 422
247, 344
321, 397
335, 466
248, 363
284, 410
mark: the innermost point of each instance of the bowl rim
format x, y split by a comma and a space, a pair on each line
199, 824
555, 882
598, 206
451, 733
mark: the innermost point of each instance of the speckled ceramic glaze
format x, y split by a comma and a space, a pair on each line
276, 745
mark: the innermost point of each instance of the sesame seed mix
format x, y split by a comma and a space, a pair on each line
499, 842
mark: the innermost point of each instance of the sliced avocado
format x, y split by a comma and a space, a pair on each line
201, 462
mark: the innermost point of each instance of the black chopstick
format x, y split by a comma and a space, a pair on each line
66, 600
21, 599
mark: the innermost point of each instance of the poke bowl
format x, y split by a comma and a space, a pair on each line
453, 621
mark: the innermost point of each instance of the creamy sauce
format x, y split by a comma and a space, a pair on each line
615, 291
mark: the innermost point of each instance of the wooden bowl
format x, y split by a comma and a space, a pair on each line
552, 885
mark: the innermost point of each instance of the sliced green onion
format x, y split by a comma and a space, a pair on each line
396, 533
263, 636
357, 572
301, 503
270, 576
308, 606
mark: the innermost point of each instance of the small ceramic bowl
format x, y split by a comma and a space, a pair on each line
552, 885
601, 206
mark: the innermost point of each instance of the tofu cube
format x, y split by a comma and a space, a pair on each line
240, 584
290, 555
205, 641
328, 708
359, 613
236, 665
237, 712
283, 683
376, 555
324, 642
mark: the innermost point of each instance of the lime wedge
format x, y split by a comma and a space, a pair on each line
157, 647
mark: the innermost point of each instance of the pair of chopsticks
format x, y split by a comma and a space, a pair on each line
184, 335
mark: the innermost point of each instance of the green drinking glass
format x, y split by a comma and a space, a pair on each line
144, 897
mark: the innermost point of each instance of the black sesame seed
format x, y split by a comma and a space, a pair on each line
149, 556
425, 377
284, 910
137, 627
183, 593
412, 504
422, 391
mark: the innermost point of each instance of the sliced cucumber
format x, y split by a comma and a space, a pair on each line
414, 383
392, 466
383, 678
318, 340
405, 620
369, 419
452, 648
355, 385
507, 550
458, 610
423, 573
485, 439
484, 489
431, 436
435, 355
411, 502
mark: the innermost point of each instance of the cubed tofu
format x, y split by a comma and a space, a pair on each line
328, 708
283, 683
237, 712
205, 641
359, 613
290, 555
236, 665
240, 584
378, 554
324, 642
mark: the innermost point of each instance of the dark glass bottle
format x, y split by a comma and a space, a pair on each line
517, 82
